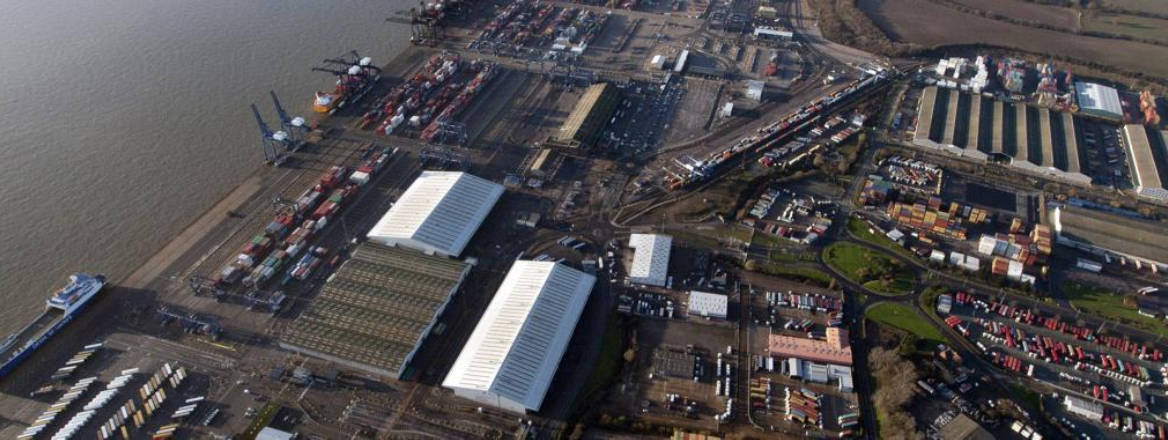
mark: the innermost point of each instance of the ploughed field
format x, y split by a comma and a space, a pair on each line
1023, 10
930, 24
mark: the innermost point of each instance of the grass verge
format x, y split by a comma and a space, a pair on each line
1108, 305
875, 270
804, 274
860, 230
904, 318
607, 367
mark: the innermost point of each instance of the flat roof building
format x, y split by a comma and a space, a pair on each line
438, 213
650, 258
1033, 140
377, 308
764, 32
1098, 100
590, 116
515, 349
962, 427
755, 89
1141, 242
1148, 156
1088, 409
834, 350
708, 305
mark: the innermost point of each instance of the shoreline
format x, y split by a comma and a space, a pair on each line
195, 231
202, 226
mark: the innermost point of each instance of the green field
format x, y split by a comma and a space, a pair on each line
902, 317
808, 275
859, 229
607, 366
875, 270
1130, 25
1107, 304
1154, 6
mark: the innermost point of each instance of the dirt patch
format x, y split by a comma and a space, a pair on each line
929, 24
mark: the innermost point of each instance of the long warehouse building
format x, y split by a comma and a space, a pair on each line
590, 116
515, 349
438, 214
1112, 236
1148, 157
1033, 140
650, 258
377, 308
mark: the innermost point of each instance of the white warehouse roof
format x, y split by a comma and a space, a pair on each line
514, 351
1098, 99
650, 258
438, 213
708, 305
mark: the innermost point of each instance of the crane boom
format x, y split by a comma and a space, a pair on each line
260, 121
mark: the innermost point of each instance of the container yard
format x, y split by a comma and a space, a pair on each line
534, 28
687, 170
424, 103
1049, 348
355, 322
294, 306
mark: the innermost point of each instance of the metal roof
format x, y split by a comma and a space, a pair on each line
591, 113
438, 213
516, 347
962, 427
650, 258
1146, 154
710, 305
375, 310
1096, 98
1139, 238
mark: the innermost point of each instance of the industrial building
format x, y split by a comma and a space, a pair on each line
590, 116
821, 373
513, 352
961, 427
834, 350
1148, 156
755, 89
1098, 100
708, 305
773, 34
374, 312
1087, 409
1034, 140
438, 213
1111, 236
650, 258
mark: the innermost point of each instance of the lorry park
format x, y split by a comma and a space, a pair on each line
765, 308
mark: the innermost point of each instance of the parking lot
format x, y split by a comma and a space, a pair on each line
658, 342
695, 105
1065, 354
643, 114
1106, 155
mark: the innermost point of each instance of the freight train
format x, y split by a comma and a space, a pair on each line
701, 170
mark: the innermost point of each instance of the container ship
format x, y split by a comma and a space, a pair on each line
60, 309
357, 78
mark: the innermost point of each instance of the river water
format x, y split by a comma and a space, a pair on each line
121, 121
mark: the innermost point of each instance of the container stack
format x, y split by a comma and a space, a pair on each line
75, 362
803, 407
95, 404
42, 421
